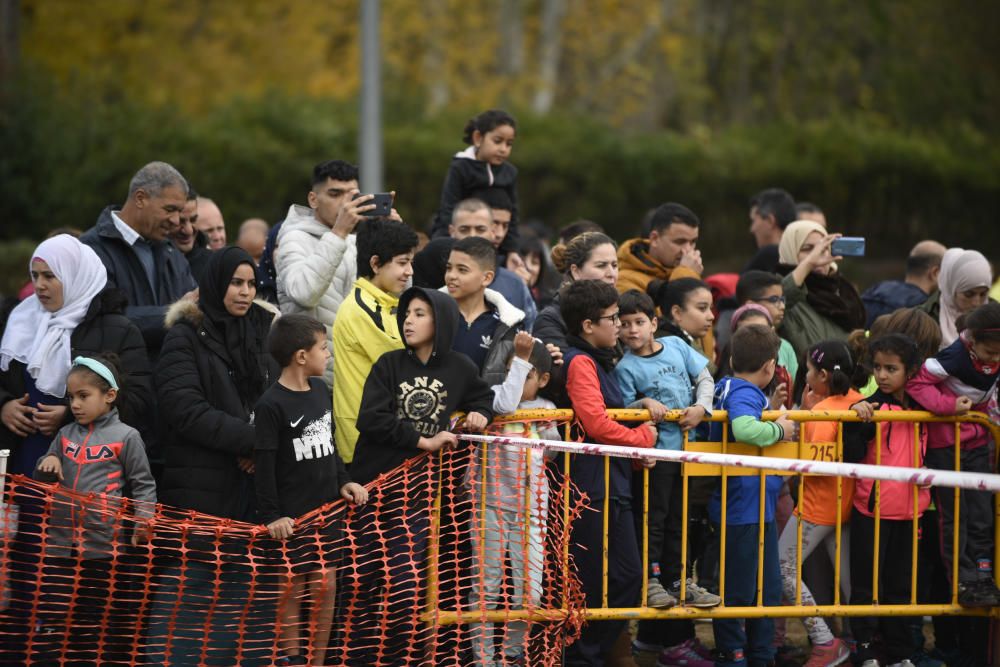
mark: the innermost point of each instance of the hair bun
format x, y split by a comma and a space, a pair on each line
558, 256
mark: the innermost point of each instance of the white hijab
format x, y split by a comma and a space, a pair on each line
40, 339
961, 270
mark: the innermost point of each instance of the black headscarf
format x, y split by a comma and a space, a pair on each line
833, 297
243, 337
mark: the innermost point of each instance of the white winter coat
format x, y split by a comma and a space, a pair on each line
316, 269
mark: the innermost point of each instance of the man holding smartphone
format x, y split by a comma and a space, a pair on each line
316, 255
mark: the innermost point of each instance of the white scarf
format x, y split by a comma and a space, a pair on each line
40, 339
961, 270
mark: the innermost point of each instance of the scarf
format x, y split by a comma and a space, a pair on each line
961, 270
40, 339
605, 357
243, 337
980, 366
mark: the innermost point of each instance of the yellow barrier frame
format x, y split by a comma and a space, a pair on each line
467, 614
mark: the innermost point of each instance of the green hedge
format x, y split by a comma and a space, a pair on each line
63, 160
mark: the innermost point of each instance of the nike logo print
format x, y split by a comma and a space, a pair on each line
296, 422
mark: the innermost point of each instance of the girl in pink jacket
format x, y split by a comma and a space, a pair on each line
960, 378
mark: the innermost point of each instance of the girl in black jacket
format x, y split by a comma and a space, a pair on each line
212, 369
484, 164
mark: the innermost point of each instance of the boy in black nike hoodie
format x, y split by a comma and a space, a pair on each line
406, 405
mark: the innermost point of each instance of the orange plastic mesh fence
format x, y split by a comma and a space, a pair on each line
75, 590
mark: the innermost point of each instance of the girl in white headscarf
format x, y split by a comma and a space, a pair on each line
964, 285
70, 312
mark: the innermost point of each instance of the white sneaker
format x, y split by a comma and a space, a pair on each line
869, 663
657, 596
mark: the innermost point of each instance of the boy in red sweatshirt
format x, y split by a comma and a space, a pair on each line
590, 310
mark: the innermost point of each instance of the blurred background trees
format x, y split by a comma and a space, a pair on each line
883, 112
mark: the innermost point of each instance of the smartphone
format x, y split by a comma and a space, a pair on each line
382, 202
848, 246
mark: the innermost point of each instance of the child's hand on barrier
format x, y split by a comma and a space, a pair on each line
442, 439
523, 344
788, 427
651, 427
140, 535
51, 465
647, 462
692, 417
476, 422
962, 405
656, 409
355, 493
864, 410
282, 528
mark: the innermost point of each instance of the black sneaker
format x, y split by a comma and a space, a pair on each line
990, 587
978, 594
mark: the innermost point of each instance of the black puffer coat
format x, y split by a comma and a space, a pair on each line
205, 424
104, 329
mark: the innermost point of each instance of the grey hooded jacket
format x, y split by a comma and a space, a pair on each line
99, 459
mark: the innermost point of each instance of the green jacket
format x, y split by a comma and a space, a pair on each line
803, 326
932, 306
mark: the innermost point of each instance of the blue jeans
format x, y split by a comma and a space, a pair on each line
748, 641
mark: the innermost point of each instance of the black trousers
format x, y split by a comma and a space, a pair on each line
975, 517
624, 576
666, 517
895, 566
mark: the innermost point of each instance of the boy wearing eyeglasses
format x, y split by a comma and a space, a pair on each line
764, 288
590, 310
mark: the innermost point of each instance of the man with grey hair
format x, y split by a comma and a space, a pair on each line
141, 262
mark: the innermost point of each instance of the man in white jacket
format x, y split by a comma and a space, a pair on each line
316, 256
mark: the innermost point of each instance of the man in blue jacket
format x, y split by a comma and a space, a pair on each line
141, 262
923, 267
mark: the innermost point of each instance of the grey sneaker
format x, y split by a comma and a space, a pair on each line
695, 595
870, 663
657, 596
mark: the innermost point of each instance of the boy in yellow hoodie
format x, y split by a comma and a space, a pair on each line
366, 325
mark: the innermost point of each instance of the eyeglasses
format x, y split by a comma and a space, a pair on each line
614, 317
773, 300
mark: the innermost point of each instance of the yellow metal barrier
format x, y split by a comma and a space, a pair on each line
832, 451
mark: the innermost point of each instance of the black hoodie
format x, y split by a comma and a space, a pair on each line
405, 399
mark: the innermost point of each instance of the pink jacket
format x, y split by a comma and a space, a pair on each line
934, 391
895, 498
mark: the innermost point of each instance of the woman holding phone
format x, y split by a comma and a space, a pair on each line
820, 304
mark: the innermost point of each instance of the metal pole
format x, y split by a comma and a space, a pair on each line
370, 149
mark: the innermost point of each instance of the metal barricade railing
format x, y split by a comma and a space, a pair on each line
701, 459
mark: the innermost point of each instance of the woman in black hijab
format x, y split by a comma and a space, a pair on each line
212, 369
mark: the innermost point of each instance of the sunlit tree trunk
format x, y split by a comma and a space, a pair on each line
549, 52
